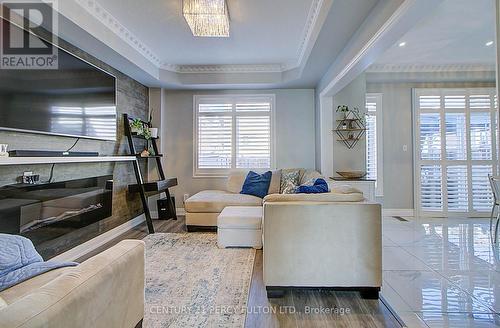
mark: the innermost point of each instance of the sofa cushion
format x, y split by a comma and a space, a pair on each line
326, 197
12, 294
214, 201
257, 184
240, 217
236, 179
290, 179
309, 175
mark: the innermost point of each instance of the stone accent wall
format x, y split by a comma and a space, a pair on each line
132, 98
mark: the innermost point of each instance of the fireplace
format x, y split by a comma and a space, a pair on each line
47, 211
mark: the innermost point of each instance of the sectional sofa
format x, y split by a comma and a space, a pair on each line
331, 240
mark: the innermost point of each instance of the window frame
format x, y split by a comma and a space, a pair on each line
379, 183
233, 98
443, 162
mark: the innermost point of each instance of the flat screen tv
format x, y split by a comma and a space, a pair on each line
77, 99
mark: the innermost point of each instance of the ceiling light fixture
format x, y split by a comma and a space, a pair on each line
207, 18
489, 43
402, 44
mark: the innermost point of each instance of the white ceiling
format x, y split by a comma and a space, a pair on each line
453, 35
262, 31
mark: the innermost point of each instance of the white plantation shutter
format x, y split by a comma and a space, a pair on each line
214, 142
431, 188
457, 188
374, 158
233, 132
455, 131
253, 142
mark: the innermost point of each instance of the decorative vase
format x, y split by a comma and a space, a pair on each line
154, 132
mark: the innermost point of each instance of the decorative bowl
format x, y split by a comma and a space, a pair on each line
352, 174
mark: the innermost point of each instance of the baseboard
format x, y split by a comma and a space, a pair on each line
398, 212
178, 211
88, 246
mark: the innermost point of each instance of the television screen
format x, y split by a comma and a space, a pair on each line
77, 99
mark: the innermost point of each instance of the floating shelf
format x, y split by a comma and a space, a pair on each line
154, 186
337, 130
353, 131
63, 159
138, 136
150, 156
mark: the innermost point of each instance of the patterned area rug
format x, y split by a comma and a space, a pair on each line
190, 282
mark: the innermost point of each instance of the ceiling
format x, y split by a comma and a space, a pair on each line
451, 37
262, 31
273, 44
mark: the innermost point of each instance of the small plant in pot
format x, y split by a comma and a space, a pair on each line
343, 109
136, 126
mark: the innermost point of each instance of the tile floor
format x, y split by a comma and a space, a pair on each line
441, 272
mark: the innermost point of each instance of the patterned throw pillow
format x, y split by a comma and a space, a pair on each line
289, 181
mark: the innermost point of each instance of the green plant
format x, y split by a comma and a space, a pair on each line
342, 109
136, 125
145, 132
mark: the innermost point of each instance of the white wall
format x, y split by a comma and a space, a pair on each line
398, 131
353, 95
295, 132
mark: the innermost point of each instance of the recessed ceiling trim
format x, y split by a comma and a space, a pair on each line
106, 18
312, 26
415, 68
271, 68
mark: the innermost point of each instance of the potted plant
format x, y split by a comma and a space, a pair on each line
343, 109
136, 126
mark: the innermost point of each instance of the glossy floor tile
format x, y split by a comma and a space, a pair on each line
441, 272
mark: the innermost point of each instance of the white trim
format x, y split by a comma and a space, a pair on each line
88, 246
415, 68
379, 115
398, 212
223, 173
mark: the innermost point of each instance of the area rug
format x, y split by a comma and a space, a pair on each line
190, 282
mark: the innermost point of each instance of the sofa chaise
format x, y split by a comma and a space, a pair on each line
107, 290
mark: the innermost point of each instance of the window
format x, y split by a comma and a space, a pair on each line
374, 141
455, 139
233, 132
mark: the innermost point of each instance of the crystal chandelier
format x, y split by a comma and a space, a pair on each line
207, 18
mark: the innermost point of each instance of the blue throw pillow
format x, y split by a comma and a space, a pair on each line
319, 186
257, 184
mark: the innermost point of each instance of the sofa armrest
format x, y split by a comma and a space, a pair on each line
107, 290
324, 197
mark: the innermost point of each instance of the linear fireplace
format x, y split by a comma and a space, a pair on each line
44, 212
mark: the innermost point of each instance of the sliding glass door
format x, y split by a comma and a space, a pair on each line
455, 150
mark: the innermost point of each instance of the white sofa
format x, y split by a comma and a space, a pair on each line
105, 291
203, 208
329, 240
314, 241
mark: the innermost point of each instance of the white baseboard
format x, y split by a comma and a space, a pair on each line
398, 212
178, 211
89, 246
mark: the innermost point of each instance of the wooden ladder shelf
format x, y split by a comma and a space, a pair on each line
145, 188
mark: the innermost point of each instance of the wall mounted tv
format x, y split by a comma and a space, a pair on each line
77, 99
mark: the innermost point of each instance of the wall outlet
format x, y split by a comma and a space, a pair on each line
186, 196
405, 147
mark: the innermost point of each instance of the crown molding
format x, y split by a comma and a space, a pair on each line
270, 68
113, 24
418, 68
107, 19
307, 34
